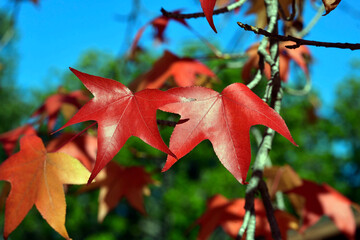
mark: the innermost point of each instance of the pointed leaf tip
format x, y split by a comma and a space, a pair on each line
208, 9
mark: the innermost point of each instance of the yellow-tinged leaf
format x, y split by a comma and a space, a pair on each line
37, 177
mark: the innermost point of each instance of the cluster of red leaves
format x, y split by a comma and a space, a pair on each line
311, 200
324, 200
121, 114
316, 201
230, 215
37, 175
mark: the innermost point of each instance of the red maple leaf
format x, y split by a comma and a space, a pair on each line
9, 139
230, 214
184, 71
117, 182
324, 200
120, 114
52, 106
224, 119
299, 55
159, 24
83, 147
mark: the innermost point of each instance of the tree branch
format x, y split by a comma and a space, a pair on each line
226, 9
299, 41
269, 210
274, 92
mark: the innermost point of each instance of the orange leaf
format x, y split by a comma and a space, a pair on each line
37, 177
184, 71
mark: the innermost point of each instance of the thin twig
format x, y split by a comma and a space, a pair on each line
298, 41
226, 9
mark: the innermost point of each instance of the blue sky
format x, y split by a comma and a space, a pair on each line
54, 34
